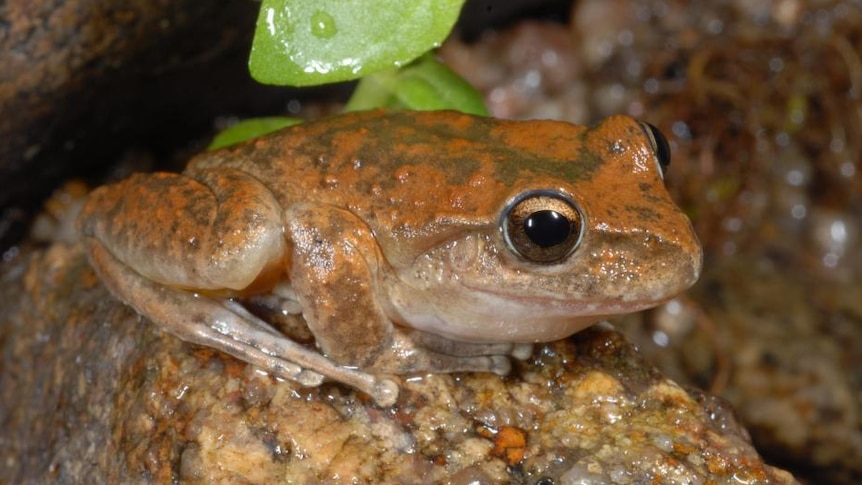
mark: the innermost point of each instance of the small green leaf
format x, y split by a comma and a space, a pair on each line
250, 128
426, 84
310, 42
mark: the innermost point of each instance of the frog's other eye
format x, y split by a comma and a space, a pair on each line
660, 146
543, 227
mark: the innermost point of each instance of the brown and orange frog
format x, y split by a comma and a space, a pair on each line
411, 241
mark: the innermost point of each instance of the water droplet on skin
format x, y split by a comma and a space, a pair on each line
323, 25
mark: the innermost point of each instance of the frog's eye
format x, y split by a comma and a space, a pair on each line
542, 227
659, 145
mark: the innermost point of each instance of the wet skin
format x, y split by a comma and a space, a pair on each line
410, 241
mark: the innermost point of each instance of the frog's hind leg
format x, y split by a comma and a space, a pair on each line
214, 230
211, 231
230, 329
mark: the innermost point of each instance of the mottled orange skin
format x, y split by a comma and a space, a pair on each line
385, 221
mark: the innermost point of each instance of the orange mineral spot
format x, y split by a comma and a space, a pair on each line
510, 444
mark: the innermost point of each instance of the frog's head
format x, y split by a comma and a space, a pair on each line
564, 252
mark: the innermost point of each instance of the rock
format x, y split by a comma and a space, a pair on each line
789, 341
102, 396
82, 80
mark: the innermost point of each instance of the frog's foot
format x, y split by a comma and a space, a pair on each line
233, 330
407, 354
252, 340
520, 351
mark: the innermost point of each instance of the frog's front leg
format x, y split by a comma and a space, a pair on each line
336, 269
163, 242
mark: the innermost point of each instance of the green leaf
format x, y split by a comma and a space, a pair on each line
310, 42
426, 84
250, 128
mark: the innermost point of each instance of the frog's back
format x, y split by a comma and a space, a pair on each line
372, 158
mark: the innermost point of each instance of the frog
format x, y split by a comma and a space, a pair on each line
408, 242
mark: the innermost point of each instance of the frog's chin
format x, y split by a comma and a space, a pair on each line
501, 328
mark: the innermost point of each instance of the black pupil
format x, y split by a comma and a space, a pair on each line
547, 228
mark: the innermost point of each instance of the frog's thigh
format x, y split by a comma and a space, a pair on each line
230, 329
334, 269
212, 230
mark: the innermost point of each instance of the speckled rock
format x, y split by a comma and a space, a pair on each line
101, 396
782, 346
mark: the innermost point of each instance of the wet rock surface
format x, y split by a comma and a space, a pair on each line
102, 396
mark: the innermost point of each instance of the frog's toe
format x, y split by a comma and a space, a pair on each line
309, 378
385, 392
522, 351
499, 365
